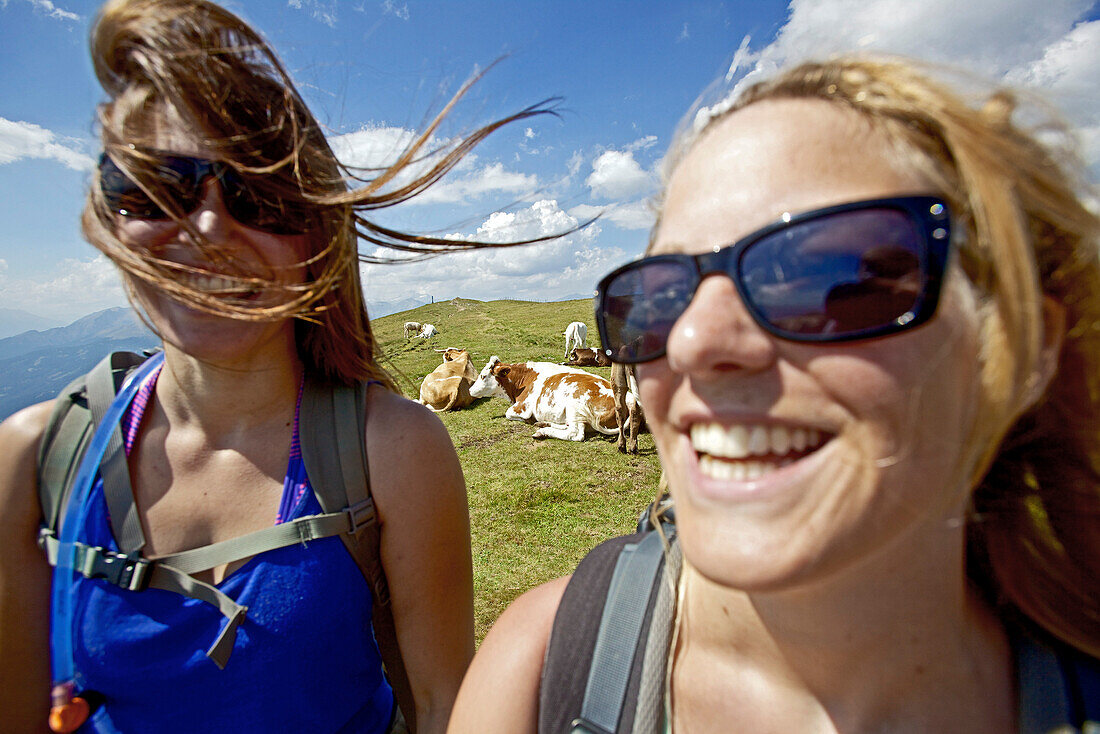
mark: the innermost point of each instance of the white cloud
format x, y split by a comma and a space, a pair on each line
20, 140
632, 215
566, 267
375, 147
684, 34
50, 10
616, 175
528, 133
1033, 42
325, 12
391, 8
987, 36
76, 288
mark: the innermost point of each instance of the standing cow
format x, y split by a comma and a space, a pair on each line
576, 335
628, 406
447, 387
412, 328
567, 399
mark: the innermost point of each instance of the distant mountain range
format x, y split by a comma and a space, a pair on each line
36, 364
15, 321
37, 361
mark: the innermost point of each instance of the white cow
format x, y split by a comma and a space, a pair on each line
412, 328
427, 331
566, 399
576, 335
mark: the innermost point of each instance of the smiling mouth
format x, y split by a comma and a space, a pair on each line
216, 285
745, 452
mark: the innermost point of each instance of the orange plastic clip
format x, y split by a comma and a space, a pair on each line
67, 712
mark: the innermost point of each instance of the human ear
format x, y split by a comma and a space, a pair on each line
1054, 333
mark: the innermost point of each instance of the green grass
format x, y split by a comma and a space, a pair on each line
536, 506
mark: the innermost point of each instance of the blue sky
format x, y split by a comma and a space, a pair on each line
374, 70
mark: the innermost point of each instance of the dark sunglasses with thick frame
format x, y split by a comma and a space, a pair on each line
248, 198
859, 270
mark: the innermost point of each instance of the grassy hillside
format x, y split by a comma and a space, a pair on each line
536, 506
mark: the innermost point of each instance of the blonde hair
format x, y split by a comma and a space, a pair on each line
205, 69
1033, 535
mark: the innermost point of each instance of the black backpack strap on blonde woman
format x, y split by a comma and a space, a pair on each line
604, 670
332, 425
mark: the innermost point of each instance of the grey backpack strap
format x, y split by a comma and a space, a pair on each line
76, 412
649, 711
332, 431
635, 578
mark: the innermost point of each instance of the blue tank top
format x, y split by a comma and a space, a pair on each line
305, 658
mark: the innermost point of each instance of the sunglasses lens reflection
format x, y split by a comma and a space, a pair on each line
839, 276
642, 304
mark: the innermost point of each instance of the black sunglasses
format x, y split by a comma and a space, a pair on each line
853, 271
248, 198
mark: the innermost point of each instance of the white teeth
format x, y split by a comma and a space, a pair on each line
217, 284
717, 444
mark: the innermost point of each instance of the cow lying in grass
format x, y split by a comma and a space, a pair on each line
567, 400
580, 357
447, 387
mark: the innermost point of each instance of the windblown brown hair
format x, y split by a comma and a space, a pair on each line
1033, 533
195, 63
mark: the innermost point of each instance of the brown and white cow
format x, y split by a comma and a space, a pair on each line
580, 357
447, 387
628, 406
566, 399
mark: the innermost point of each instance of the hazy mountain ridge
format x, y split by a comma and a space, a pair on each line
37, 364
110, 324
15, 321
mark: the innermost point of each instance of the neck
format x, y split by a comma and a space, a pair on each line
222, 398
883, 643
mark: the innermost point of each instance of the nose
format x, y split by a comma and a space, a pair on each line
211, 218
717, 334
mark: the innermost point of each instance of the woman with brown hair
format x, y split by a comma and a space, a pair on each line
221, 202
888, 519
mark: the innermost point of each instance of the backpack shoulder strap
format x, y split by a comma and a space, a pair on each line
614, 620
76, 412
333, 440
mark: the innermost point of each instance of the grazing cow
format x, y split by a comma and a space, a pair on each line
427, 331
588, 358
412, 328
628, 406
566, 399
576, 335
448, 385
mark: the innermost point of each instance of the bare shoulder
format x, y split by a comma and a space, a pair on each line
28, 424
501, 690
396, 423
20, 435
413, 464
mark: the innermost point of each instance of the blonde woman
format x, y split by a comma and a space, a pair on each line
236, 233
865, 336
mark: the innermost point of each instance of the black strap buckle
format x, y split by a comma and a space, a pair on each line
130, 572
